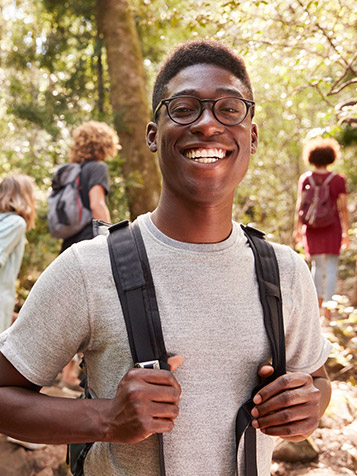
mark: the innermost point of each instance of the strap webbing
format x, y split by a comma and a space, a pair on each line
152, 301
135, 286
267, 273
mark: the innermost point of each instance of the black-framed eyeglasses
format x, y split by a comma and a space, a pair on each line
184, 110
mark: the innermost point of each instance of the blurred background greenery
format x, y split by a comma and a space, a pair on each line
62, 63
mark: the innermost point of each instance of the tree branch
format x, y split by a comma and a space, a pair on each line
327, 36
340, 79
324, 98
343, 86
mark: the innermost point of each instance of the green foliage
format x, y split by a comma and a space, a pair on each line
117, 202
347, 136
300, 55
50, 52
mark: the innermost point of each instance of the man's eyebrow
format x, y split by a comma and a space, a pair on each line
230, 92
225, 91
185, 92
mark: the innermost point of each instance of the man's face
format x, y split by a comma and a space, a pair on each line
183, 149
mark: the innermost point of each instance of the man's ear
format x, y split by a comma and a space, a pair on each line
151, 133
254, 138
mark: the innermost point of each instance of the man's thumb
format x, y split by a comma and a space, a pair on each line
175, 361
265, 370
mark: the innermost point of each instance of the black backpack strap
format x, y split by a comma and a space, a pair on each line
77, 452
133, 279
153, 309
136, 291
267, 273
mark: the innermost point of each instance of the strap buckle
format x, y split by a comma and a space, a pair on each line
149, 364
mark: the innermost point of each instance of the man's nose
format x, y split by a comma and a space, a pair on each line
207, 124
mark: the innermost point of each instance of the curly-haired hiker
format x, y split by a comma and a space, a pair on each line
93, 143
322, 240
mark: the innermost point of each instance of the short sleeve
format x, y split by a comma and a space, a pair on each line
307, 349
53, 324
339, 185
98, 175
12, 230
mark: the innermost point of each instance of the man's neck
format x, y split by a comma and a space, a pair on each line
193, 223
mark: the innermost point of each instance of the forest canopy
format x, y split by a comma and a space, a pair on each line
57, 70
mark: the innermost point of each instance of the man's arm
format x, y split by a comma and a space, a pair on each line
146, 402
291, 405
97, 203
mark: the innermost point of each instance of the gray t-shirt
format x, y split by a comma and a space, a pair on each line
211, 315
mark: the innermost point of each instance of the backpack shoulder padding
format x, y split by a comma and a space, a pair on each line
267, 274
132, 275
268, 278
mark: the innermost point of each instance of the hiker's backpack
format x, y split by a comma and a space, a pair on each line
66, 213
317, 208
136, 291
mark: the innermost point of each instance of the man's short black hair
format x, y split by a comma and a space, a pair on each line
199, 52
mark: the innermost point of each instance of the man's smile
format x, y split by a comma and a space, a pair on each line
205, 156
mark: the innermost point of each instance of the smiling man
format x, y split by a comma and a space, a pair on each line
207, 293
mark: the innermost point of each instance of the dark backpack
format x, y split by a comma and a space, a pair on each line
136, 291
66, 213
317, 208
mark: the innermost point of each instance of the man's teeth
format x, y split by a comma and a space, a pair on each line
207, 160
205, 156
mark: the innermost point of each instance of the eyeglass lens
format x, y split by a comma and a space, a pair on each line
185, 110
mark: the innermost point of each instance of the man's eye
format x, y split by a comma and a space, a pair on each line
229, 109
182, 110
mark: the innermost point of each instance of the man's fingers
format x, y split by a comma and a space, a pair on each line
287, 407
287, 399
163, 410
287, 416
162, 425
150, 426
285, 382
294, 431
163, 387
175, 362
265, 370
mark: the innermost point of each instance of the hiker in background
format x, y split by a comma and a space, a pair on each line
207, 295
94, 142
321, 223
17, 214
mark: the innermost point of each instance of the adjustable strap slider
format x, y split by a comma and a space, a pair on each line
149, 364
153, 364
118, 225
271, 289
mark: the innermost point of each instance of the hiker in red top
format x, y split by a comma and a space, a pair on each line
321, 216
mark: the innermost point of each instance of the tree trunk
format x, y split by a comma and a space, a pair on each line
100, 83
129, 103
